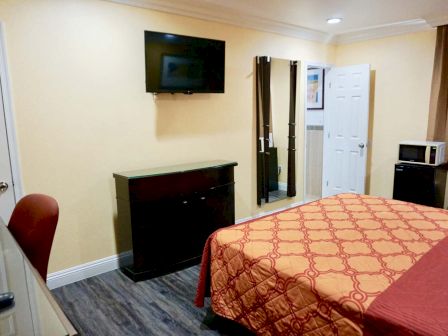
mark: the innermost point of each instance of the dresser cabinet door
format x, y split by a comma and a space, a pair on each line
219, 208
210, 211
158, 230
175, 230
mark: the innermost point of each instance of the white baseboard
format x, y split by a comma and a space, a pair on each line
282, 186
265, 213
97, 267
87, 270
293, 205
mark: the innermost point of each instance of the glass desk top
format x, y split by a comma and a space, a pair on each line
34, 311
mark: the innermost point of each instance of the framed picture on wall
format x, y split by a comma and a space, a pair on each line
315, 88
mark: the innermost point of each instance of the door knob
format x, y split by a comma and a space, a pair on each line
361, 145
3, 187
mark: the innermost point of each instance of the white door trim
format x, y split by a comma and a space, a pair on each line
9, 118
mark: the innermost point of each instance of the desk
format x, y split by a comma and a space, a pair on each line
35, 312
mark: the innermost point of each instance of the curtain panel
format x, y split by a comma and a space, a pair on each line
438, 106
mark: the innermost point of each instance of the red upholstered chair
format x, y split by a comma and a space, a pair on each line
33, 223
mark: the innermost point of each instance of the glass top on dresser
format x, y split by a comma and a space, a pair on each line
174, 169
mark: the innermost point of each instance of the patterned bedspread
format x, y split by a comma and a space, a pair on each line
316, 268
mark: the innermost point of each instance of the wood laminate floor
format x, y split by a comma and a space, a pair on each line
112, 304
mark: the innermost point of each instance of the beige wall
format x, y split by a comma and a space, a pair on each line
81, 111
402, 71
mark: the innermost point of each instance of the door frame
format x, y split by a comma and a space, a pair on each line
9, 118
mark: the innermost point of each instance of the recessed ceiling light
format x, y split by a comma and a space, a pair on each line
334, 20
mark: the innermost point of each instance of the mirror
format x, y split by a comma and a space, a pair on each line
276, 91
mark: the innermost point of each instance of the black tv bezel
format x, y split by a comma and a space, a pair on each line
185, 91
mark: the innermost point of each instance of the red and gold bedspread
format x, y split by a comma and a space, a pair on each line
316, 268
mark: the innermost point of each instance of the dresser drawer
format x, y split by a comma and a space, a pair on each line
175, 185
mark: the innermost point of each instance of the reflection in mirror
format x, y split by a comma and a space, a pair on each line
314, 133
276, 81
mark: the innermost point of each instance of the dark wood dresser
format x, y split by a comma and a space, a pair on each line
171, 211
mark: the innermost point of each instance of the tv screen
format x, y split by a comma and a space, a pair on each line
177, 63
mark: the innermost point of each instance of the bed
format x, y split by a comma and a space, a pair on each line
332, 267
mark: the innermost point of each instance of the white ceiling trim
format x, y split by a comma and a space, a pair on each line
437, 21
398, 28
228, 17
242, 20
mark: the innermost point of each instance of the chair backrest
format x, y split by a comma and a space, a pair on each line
33, 223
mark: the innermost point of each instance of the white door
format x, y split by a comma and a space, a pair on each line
7, 197
346, 129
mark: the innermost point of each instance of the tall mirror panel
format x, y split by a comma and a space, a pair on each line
276, 92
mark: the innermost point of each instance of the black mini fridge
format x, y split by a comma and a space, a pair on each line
421, 184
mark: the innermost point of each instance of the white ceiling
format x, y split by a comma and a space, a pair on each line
363, 19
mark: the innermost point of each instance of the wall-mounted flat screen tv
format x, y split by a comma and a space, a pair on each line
177, 63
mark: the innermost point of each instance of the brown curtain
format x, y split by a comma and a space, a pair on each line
438, 106
263, 106
291, 186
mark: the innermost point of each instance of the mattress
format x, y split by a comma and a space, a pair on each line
315, 269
